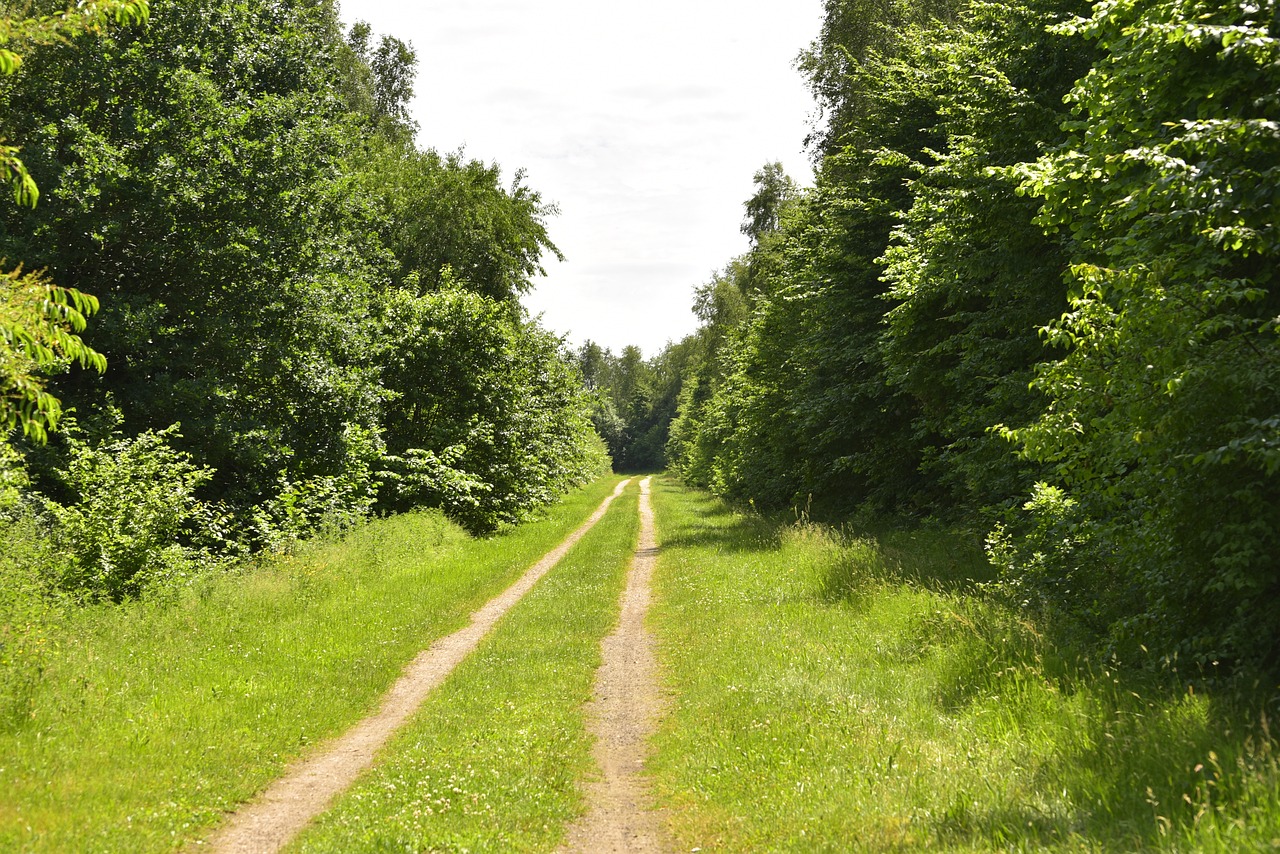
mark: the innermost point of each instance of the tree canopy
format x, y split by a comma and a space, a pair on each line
1032, 282
312, 318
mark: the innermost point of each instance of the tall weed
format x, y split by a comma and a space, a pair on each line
29, 614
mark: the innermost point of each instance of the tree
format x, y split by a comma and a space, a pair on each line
1163, 422
39, 321
774, 190
444, 210
973, 277
723, 309
806, 413
29, 31
276, 260
854, 33
489, 420
383, 79
197, 178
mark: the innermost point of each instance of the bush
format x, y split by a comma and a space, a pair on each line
323, 503
13, 476
489, 421
137, 521
1162, 415
423, 478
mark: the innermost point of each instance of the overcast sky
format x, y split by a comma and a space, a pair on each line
643, 122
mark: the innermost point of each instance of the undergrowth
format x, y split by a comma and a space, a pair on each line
137, 726
856, 690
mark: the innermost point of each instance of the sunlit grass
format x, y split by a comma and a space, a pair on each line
154, 718
841, 692
495, 759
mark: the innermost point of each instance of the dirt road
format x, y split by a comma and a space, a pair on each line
273, 819
623, 715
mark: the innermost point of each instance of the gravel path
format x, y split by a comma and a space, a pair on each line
623, 715
269, 822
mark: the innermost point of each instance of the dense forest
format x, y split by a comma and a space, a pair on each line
1031, 292
241, 306
1033, 286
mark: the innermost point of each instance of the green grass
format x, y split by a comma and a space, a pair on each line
843, 691
494, 759
153, 718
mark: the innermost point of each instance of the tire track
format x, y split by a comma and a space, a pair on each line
278, 814
622, 716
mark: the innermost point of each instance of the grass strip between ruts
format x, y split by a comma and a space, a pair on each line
493, 761
836, 691
156, 717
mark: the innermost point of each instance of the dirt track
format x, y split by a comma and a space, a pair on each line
307, 788
622, 716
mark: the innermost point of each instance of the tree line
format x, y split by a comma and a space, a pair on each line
289, 315
1034, 284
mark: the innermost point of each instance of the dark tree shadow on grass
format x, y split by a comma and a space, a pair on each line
721, 526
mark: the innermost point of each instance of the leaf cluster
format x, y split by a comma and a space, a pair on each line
329, 311
39, 326
1038, 261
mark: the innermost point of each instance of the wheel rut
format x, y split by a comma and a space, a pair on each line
308, 787
623, 715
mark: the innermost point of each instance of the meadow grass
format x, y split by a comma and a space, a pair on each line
848, 691
495, 758
153, 718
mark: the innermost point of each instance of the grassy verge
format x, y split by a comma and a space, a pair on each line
844, 692
153, 718
493, 760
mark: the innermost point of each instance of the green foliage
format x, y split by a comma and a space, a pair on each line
384, 75
899, 322
805, 409
38, 320
24, 31
423, 477
1057, 565
29, 611
324, 503
853, 33
724, 305
13, 477
980, 262
972, 277
774, 190
1162, 413
39, 323
664, 402
238, 183
489, 420
138, 522
442, 211
634, 400
14, 172
201, 188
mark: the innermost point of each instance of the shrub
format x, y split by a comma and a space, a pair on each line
13, 476
322, 503
137, 521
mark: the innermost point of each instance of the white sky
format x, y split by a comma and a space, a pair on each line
644, 123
